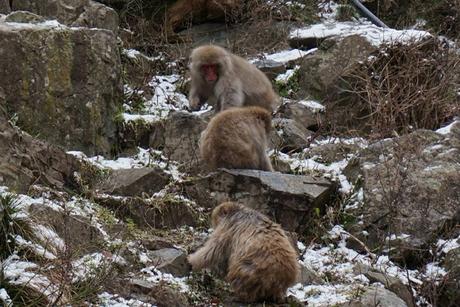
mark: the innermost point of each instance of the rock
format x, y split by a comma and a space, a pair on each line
171, 260
89, 239
178, 15
320, 73
270, 68
289, 199
288, 135
85, 13
374, 296
159, 294
135, 181
69, 92
5, 7
309, 277
158, 213
24, 17
410, 187
25, 161
303, 115
178, 137
97, 15
391, 283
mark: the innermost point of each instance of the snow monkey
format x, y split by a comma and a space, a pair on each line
251, 251
226, 80
237, 138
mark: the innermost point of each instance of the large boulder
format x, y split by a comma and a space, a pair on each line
134, 181
178, 136
25, 161
411, 192
159, 213
289, 199
79, 13
63, 83
320, 73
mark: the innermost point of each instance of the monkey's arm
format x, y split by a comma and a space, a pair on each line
213, 255
194, 98
230, 94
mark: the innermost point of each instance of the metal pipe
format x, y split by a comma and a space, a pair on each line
374, 19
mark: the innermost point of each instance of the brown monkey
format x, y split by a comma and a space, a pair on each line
226, 80
237, 138
251, 251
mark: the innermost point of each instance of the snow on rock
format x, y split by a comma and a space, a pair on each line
313, 105
90, 265
144, 158
17, 272
284, 78
448, 129
375, 35
110, 300
155, 276
5, 298
445, 246
286, 56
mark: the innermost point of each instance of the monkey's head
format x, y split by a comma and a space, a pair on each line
210, 62
224, 210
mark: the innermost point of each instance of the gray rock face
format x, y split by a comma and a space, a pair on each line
69, 91
24, 17
301, 114
25, 161
135, 181
391, 283
85, 13
374, 296
320, 73
161, 213
411, 185
270, 68
178, 136
289, 199
450, 294
171, 260
292, 135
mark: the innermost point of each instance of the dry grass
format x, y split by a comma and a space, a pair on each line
405, 87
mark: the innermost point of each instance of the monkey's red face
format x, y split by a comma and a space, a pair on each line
210, 72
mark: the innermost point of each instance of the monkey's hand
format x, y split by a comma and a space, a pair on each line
194, 103
196, 261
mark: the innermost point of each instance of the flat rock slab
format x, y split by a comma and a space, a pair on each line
167, 213
171, 260
289, 199
135, 181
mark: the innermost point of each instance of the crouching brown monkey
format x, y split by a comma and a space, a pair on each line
251, 251
237, 138
225, 80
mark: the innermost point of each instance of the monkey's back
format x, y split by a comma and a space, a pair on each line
263, 263
257, 88
235, 138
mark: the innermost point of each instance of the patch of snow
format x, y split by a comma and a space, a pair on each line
313, 105
445, 246
373, 34
284, 78
286, 56
140, 117
114, 300
156, 276
5, 298
448, 129
46, 25
49, 238
328, 10
434, 272
36, 248
18, 272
